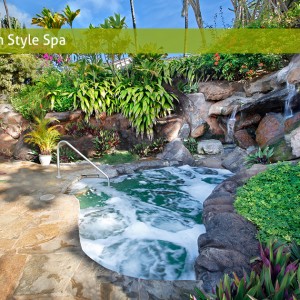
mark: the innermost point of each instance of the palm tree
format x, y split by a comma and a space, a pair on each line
185, 14
70, 15
132, 14
195, 4
248, 11
7, 14
49, 20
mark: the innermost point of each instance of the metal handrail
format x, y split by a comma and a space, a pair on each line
72, 147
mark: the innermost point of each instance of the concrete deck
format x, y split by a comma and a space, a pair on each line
40, 252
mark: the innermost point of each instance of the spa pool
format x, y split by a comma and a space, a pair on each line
146, 224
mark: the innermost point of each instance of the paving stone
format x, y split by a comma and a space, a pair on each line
11, 267
47, 274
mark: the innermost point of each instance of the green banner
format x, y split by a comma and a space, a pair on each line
194, 41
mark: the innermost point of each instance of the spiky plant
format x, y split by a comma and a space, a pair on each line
43, 136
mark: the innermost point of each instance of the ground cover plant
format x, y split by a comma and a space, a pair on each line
271, 200
117, 157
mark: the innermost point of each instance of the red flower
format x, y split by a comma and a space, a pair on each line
216, 63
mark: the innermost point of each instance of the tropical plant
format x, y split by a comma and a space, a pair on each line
66, 155
229, 67
142, 96
30, 102
12, 23
106, 141
49, 20
265, 13
45, 137
191, 144
274, 276
260, 157
271, 201
55, 20
70, 15
149, 149
82, 128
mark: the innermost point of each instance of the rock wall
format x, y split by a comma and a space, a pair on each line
229, 242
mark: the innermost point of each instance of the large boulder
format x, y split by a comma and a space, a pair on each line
195, 109
247, 121
210, 147
70, 116
218, 90
7, 143
12, 126
168, 127
175, 151
24, 151
184, 131
235, 160
270, 129
293, 73
263, 85
226, 107
273, 101
279, 134
244, 139
295, 142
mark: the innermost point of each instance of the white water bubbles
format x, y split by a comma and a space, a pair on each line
146, 224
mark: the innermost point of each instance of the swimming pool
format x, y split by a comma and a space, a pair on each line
146, 224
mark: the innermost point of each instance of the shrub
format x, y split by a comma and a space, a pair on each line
142, 95
81, 128
66, 155
217, 66
191, 144
149, 149
271, 200
274, 276
30, 102
16, 70
106, 141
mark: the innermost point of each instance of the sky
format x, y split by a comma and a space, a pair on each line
157, 14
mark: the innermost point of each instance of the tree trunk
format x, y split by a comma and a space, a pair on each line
185, 14
132, 14
196, 8
7, 14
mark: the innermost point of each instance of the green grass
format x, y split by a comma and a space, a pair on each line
118, 157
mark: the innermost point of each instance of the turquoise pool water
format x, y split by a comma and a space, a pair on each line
146, 224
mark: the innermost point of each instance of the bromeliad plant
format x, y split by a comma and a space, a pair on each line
274, 276
260, 157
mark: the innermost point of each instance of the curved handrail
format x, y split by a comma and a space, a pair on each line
73, 148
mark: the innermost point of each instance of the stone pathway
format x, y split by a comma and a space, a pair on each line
40, 252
